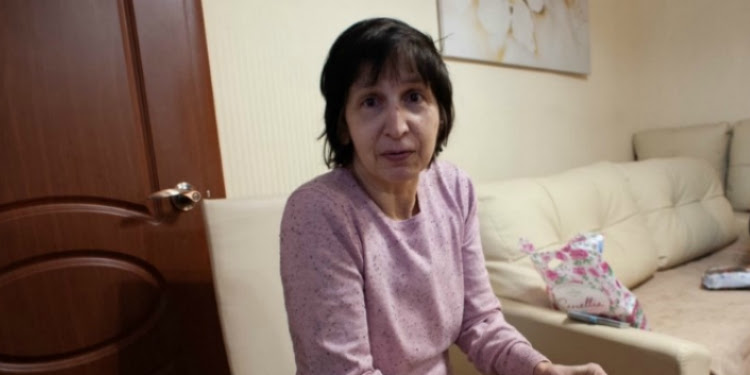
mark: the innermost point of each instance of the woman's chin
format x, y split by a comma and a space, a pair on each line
401, 175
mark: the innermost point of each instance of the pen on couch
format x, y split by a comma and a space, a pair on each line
594, 319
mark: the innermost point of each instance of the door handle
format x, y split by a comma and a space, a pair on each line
183, 196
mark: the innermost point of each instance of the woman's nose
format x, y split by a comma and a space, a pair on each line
396, 122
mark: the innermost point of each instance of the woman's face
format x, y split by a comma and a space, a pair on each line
393, 125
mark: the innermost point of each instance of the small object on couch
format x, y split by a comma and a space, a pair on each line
595, 319
727, 278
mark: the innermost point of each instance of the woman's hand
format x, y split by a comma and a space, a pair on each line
546, 368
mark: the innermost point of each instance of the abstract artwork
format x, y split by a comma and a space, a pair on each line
543, 34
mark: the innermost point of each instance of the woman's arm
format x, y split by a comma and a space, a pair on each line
491, 343
321, 271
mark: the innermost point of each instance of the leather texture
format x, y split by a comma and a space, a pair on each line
684, 207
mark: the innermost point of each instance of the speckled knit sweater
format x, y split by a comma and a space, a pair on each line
366, 294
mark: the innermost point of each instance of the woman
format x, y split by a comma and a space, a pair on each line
381, 259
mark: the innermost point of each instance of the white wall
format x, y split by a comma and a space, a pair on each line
517, 122
265, 59
688, 62
653, 63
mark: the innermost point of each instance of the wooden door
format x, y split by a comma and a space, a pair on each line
101, 104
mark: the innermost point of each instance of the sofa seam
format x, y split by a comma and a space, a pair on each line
648, 211
556, 209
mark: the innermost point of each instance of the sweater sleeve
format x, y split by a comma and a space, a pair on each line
491, 343
321, 272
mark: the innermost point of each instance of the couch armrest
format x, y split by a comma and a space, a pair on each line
618, 351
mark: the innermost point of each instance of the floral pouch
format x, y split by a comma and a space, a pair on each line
578, 279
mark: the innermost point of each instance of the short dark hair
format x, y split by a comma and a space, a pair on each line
373, 44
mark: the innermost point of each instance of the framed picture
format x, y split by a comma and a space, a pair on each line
543, 34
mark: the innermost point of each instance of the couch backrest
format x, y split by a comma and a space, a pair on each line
738, 171
684, 207
244, 241
707, 141
549, 211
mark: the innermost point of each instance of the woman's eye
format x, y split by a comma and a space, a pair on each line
414, 97
369, 102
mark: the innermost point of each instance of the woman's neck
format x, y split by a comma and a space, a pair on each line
399, 202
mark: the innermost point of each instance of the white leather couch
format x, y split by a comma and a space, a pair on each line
694, 331
664, 221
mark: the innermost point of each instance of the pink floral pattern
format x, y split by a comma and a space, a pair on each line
581, 265
551, 275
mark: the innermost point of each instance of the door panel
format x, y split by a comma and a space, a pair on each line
171, 46
102, 104
71, 122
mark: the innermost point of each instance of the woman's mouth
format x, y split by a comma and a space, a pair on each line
397, 155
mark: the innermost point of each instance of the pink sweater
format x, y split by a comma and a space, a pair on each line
366, 294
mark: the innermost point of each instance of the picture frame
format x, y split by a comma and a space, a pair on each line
540, 34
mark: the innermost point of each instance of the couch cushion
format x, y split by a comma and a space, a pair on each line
714, 318
244, 239
509, 210
738, 172
548, 212
684, 207
707, 141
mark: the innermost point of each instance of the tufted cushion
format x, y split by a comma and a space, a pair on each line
683, 205
738, 172
549, 211
708, 142
508, 211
